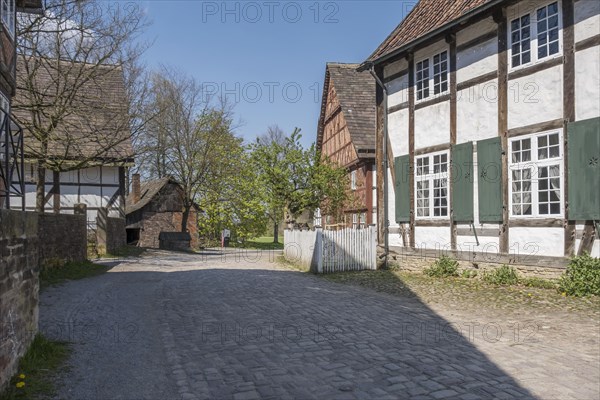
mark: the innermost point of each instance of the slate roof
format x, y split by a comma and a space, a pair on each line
95, 128
356, 94
148, 190
427, 16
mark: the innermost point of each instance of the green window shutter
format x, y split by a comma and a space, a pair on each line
584, 169
462, 182
489, 179
402, 188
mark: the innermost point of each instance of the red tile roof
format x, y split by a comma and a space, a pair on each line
425, 17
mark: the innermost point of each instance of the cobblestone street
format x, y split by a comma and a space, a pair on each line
240, 326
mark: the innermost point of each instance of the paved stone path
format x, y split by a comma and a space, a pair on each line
176, 326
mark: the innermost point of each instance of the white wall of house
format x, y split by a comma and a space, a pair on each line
532, 99
96, 187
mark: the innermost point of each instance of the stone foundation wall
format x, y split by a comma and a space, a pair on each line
63, 237
19, 288
156, 222
110, 233
479, 263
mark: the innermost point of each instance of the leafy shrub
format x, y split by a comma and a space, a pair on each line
468, 273
538, 283
504, 275
444, 266
582, 277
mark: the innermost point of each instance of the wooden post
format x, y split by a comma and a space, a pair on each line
568, 112
56, 191
500, 19
411, 145
122, 192
379, 137
451, 39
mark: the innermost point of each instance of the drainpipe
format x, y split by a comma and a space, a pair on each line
386, 226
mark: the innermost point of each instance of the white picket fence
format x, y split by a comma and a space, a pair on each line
325, 251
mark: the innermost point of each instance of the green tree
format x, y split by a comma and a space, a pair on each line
236, 201
298, 179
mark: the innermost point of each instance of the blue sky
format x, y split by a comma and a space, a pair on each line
267, 57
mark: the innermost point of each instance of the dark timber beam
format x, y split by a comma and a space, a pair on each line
411, 145
568, 111
500, 19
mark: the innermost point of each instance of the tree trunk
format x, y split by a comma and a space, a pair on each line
275, 232
185, 217
40, 190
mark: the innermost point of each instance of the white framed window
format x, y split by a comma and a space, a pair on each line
432, 72
536, 35
353, 180
422, 79
354, 221
431, 185
535, 178
7, 10
362, 220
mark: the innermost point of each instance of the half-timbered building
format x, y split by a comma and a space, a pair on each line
346, 135
10, 133
88, 151
493, 124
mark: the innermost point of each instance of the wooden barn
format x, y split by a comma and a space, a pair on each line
157, 206
493, 119
346, 134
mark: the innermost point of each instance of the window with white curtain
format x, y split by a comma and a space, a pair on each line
535, 178
431, 185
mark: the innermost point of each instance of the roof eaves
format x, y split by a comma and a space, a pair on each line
368, 64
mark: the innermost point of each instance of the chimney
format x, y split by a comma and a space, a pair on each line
135, 188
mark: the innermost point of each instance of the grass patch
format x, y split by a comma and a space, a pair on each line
37, 370
468, 293
442, 267
503, 275
261, 243
290, 265
54, 274
125, 251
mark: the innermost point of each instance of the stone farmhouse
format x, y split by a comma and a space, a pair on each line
492, 114
93, 142
157, 206
346, 135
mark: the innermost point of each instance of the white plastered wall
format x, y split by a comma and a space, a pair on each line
480, 59
587, 83
395, 67
537, 241
432, 125
432, 237
398, 91
536, 98
587, 19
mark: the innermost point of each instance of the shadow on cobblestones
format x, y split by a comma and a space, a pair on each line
184, 328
